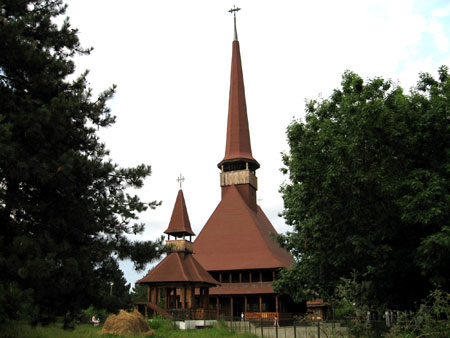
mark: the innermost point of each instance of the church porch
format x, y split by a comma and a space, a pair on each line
254, 307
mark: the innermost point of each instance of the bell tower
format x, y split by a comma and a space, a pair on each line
179, 226
238, 166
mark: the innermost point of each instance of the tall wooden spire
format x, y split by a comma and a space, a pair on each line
238, 148
238, 166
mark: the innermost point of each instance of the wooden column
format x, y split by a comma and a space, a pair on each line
230, 275
148, 295
217, 305
153, 295
183, 297
250, 276
206, 301
191, 297
260, 303
231, 306
273, 274
166, 298
276, 303
240, 277
220, 277
245, 303
260, 276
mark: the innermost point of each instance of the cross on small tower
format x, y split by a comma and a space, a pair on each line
233, 11
180, 180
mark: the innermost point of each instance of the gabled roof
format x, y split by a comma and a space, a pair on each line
179, 222
238, 145
179, 267
237, 238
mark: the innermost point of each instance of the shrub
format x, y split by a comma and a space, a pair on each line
87, 314
432, 319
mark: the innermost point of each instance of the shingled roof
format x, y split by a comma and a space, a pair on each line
178, 267
238, 238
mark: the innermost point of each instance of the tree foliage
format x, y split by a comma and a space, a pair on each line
64, 207
369, 190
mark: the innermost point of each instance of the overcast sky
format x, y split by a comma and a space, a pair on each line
171, 62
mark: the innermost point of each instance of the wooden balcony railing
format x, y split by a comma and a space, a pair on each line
267, 316
197, 314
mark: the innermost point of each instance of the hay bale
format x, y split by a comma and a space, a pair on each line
127, 323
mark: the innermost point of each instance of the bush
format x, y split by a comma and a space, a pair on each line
432, 319
160, 323
87, 314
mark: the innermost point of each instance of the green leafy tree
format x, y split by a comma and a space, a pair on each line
64, 208
369, 190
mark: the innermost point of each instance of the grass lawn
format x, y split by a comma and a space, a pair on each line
21, 330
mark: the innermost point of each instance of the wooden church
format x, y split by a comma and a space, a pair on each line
228, 270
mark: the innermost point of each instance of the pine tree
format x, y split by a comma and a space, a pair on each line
64, 206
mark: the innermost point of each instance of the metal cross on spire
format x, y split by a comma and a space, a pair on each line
233, 11
180, 180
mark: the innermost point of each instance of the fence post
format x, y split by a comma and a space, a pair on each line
318, 329
295, 330
262, 333
276, 330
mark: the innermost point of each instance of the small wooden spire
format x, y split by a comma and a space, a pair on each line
179, 225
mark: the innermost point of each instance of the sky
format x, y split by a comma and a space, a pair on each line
171, 63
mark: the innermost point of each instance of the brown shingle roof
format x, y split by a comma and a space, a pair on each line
179, 267
179, 222
237, 238
238, 145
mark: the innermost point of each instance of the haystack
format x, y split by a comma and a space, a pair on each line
127, 323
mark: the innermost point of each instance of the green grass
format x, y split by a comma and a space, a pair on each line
21, 330
165, 330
